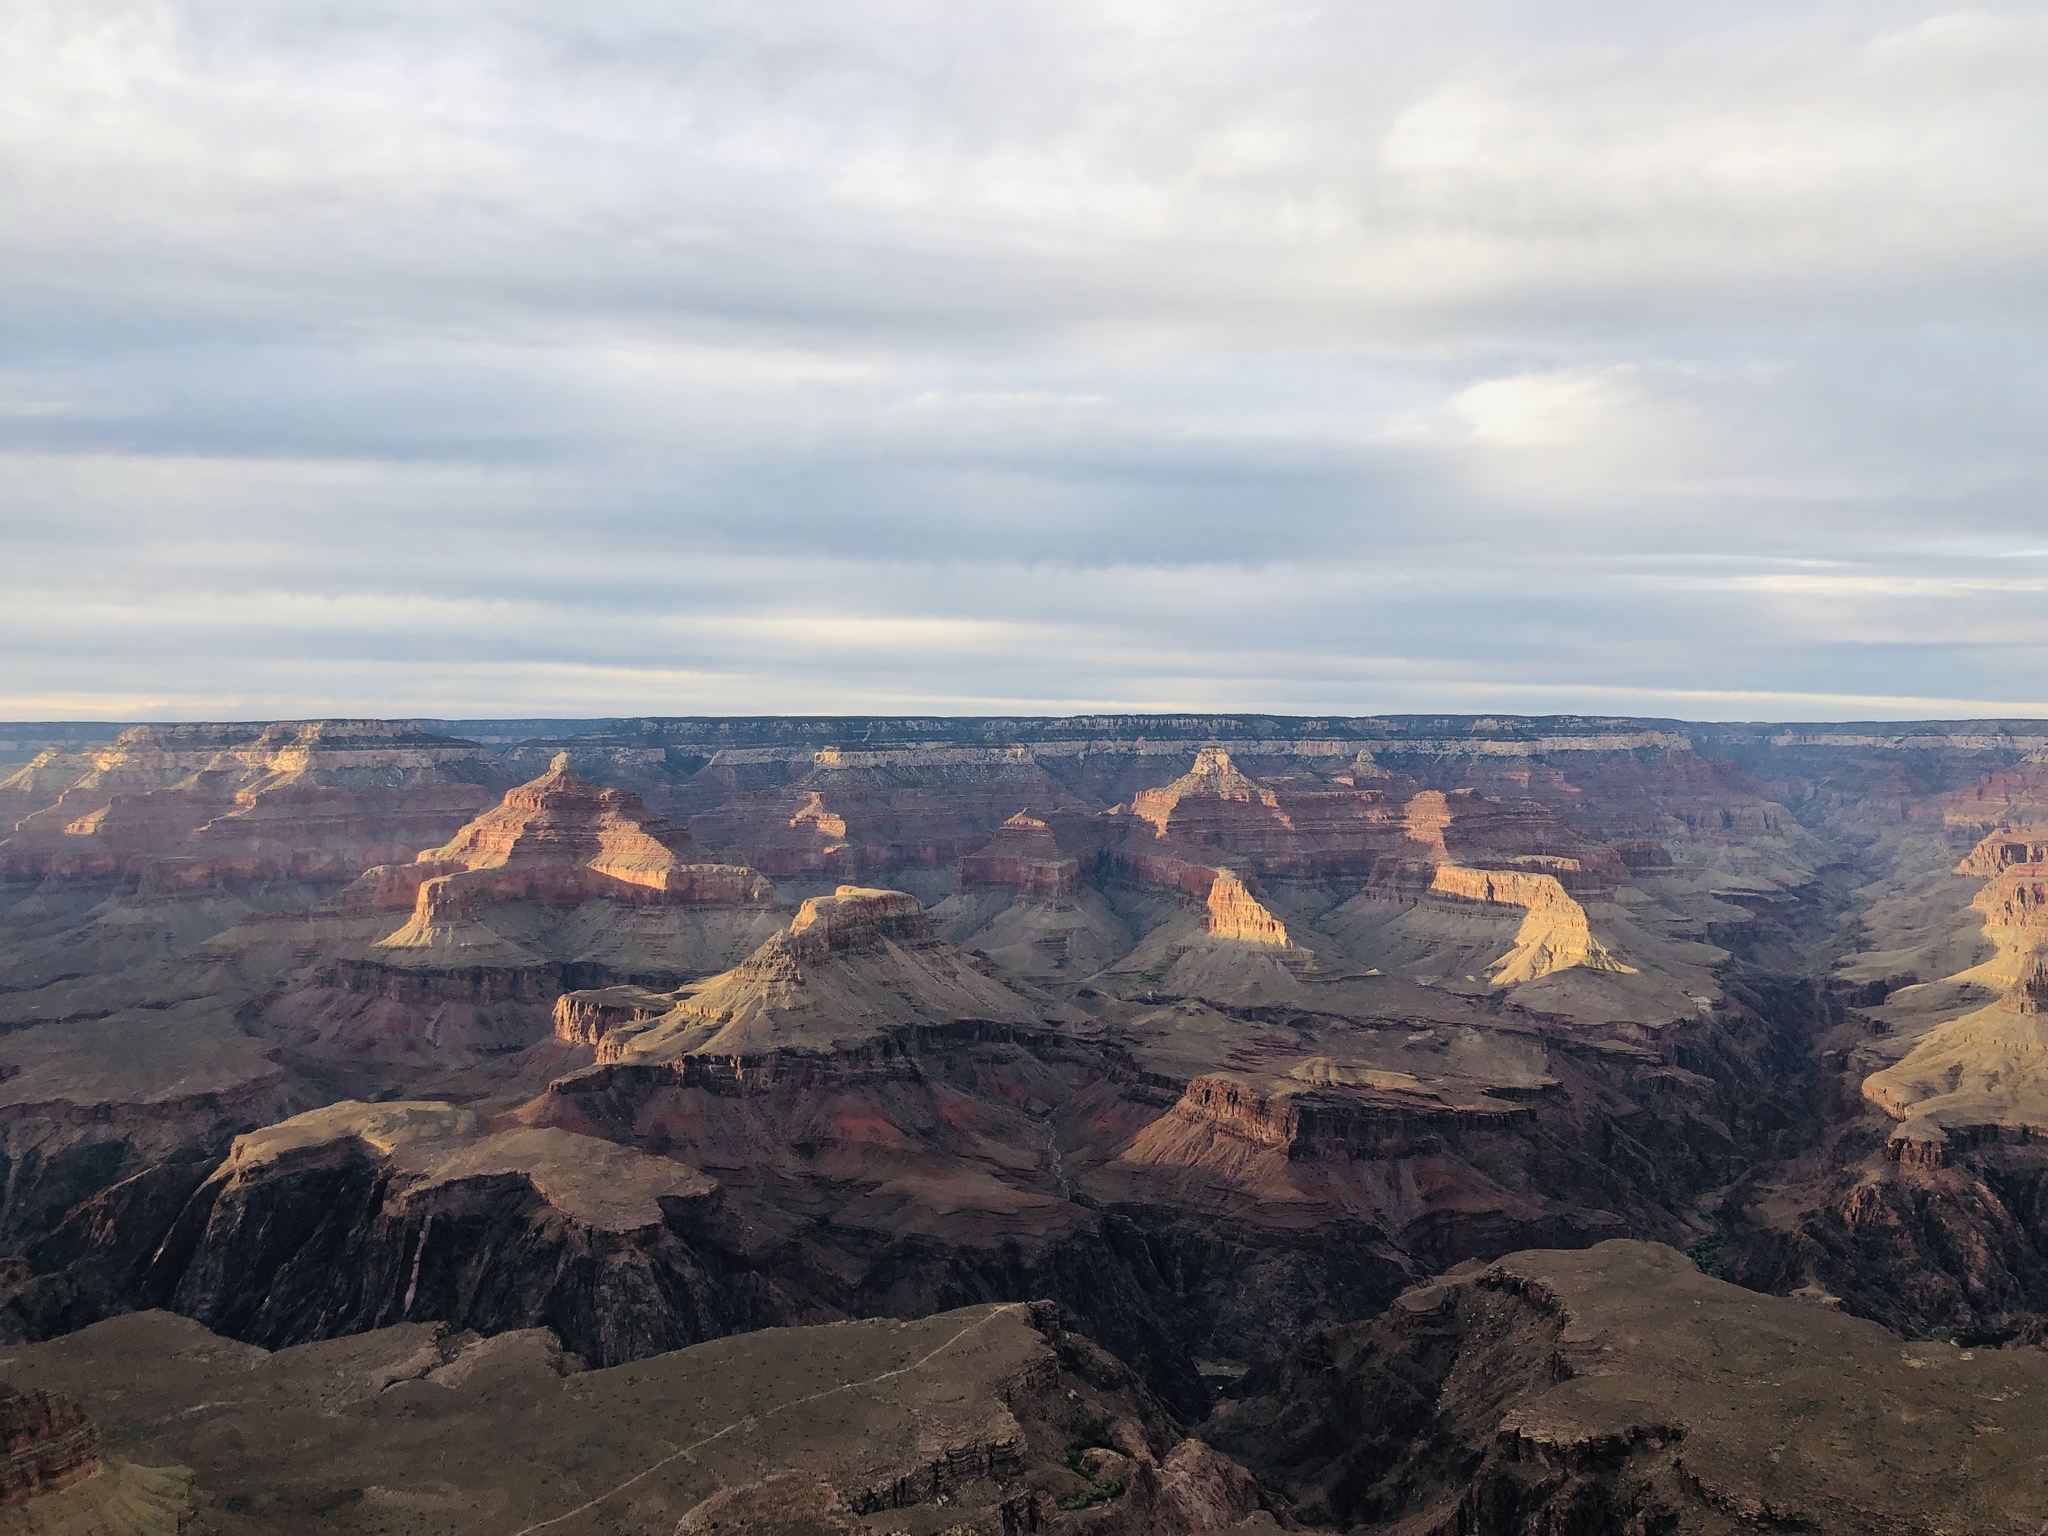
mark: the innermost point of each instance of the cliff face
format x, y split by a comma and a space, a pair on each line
557, 841
1555, 936
1026, 856
357, 1216
207, 806
1297, 827
1235, 914
2013, 901
1322, 1009
46, 1444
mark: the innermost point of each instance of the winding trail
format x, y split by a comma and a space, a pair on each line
695, 1445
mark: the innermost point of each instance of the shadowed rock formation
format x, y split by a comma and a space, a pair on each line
989, 1419
46, 1444
1618, 1389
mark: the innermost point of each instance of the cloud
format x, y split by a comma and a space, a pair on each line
464, 357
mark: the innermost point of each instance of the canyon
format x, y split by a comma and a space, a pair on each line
1276, 1108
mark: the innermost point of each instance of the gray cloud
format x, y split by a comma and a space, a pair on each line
482, 358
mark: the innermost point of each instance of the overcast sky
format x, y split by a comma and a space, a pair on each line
453, 358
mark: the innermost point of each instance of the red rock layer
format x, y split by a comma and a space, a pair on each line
1474, 831
1357, 1124
2015, 797
46, 1443
855, 814
1026, 855
1305, 828
188, 806
557, 841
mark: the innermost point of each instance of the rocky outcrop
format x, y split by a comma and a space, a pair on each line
559, 841
1024, 855
46, 1444
585, 1017
2012, 904
988, 1419
206, 806
1555, 936
1308, 1119
1619, 1389
1297, 827
1235, 914
848, 966
358, 1216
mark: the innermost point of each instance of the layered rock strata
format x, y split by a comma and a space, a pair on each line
203, 806
46, 1444
1026, 856
357, 1216
558, 841
1554, 936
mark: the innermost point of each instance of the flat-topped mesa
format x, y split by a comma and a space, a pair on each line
858, 917
586, 1017
1230, 1124
1554, 936
46, 1444
1025, 854
561, 1230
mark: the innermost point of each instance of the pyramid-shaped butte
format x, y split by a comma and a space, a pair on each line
557, 841
848, 966
1024, 853
1211, 798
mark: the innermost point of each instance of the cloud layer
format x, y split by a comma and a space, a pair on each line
460, 358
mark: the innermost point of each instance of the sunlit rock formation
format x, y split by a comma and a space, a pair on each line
557, 842
199, 805
1554, 936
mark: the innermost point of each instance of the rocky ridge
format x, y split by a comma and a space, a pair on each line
1617, 1388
